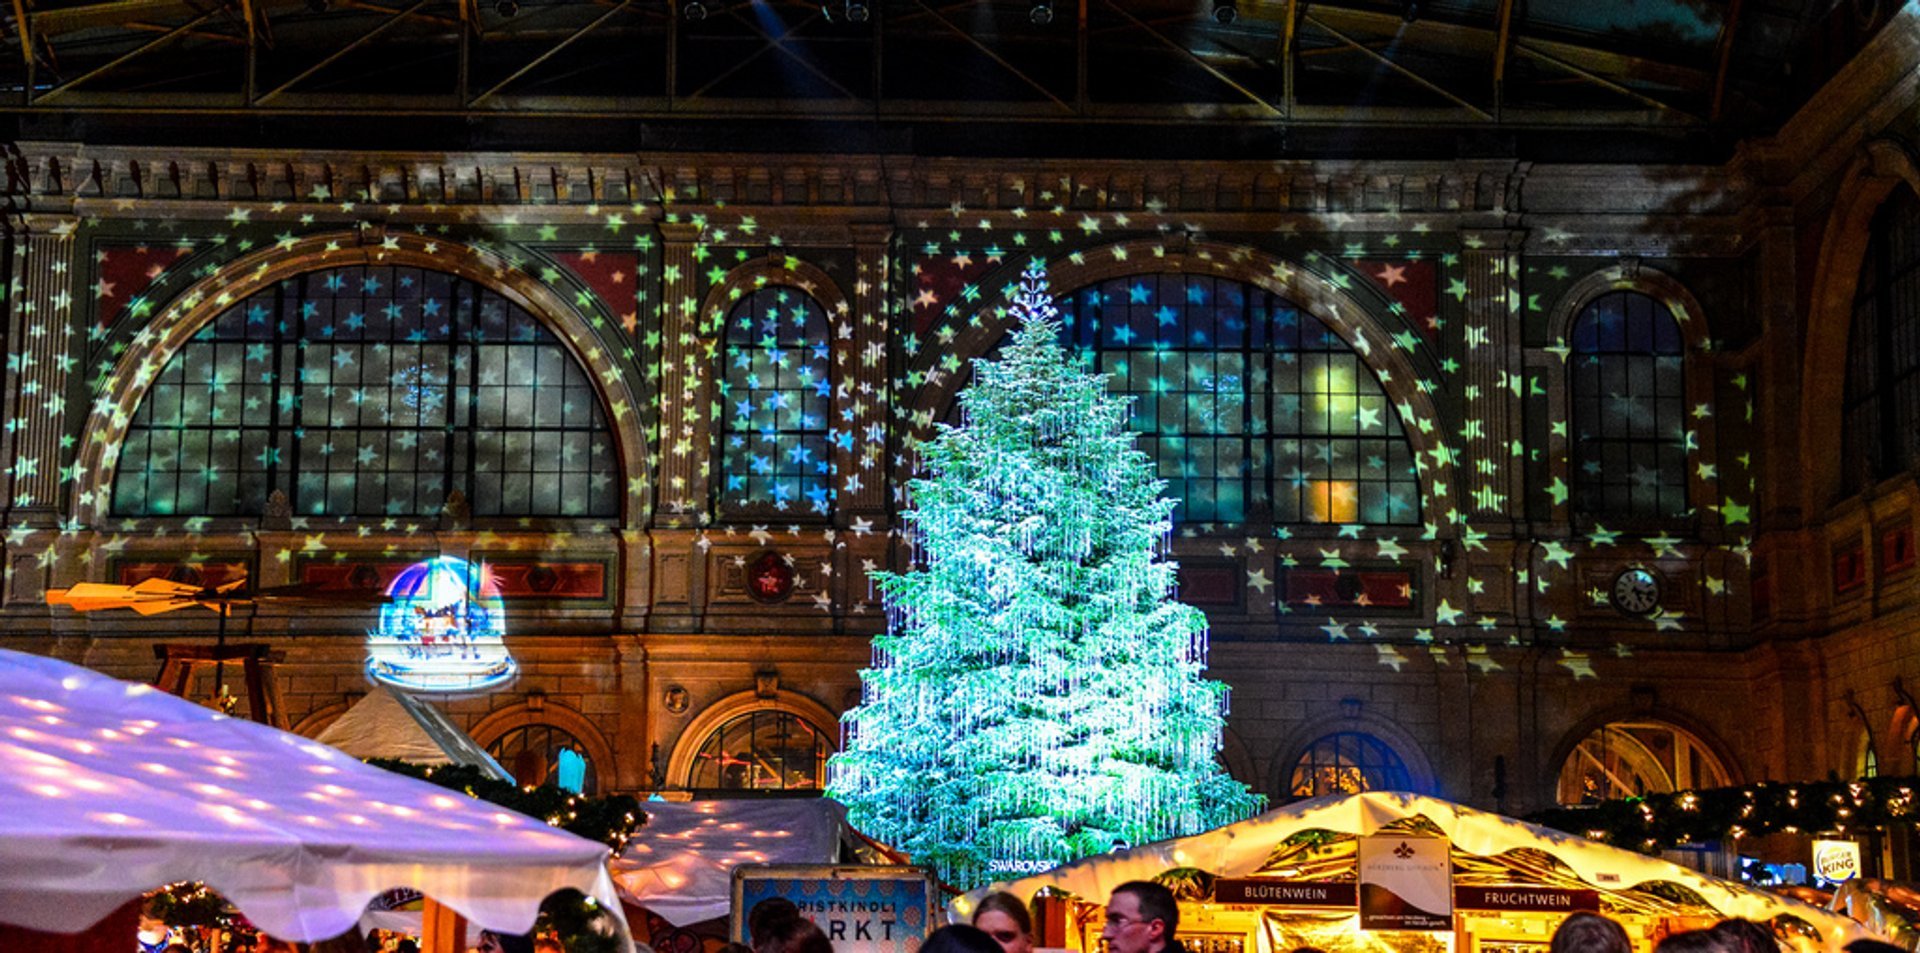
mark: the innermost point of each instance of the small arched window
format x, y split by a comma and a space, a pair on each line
773, 402
1348, 762
545, 754
1629, 440
1881, 432
767, 750
1633, 759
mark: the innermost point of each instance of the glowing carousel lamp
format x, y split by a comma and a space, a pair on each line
442, 629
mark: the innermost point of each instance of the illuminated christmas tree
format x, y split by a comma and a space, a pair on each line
1038, 696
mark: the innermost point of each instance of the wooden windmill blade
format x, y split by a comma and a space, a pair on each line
148, 597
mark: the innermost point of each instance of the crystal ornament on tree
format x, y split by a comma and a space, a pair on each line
1038, 696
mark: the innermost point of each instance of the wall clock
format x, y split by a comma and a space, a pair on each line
1636, 591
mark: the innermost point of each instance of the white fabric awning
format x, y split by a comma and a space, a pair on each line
680, 865
1240, 850
109, 789
388, 723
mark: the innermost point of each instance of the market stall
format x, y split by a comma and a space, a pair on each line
1384, 871
109, 789
389, 723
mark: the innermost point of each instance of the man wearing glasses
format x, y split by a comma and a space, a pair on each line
1141, 918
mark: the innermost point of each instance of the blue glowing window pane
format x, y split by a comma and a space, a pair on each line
370, 391
775, 406
1253, 410
1628, 387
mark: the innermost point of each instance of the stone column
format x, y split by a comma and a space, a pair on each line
39, 366
1493, 474
686, 360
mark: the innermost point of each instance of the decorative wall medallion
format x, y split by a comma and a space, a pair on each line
770, 577
677, 700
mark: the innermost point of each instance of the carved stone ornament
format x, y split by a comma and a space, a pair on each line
677, 700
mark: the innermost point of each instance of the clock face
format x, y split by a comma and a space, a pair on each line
1636, 591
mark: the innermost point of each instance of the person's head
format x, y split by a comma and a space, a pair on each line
1871, 946
1746, 936
960, 938
768, 917
267, 944
1696, 941
547, 944
1141, 918
795, 936
491, 942
1590, 933
1003, 917
406, 945
177, 948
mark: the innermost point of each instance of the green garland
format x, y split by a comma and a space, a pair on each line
1660, 821
610, 819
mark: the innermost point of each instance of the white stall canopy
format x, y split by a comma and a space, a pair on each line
680, 865
109, 789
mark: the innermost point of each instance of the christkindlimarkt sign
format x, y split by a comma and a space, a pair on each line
860, 909
1406, 883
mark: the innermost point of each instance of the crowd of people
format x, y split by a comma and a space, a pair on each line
1143, 917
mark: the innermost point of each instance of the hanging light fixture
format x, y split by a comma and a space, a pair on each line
694, 10
1225, 11
857, 12
1040, 11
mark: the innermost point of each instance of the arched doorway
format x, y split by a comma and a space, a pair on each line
1636, 758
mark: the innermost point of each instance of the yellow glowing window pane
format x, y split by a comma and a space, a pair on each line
1333, 501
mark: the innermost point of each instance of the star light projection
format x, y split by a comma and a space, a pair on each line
442, 630
1038, 696
1412, 273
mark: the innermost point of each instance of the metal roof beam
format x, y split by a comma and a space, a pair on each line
153, 44
1602, 81
1388, 62
399, 16
997, 58
1723, 59
551, 52
1231, 83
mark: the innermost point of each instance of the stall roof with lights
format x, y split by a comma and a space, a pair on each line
1492, 845
109, 789
680, 865
389, 723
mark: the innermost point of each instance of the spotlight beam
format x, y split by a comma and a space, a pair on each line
551, 52
776, 44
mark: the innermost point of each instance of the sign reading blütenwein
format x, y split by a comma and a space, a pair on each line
1280, 893
1541, 899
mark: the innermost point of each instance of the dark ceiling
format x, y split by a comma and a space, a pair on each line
1599, 80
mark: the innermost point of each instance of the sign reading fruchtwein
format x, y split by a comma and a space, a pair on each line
860, 909
1406, 883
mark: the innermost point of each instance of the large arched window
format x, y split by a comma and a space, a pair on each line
1255, 411
774, 400
1632, 759
766, 750
1348, 762
370, 391
1882, 404
1629, 409
543, 754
